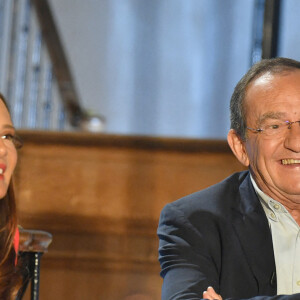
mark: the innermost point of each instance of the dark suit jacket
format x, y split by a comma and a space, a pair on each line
218, 237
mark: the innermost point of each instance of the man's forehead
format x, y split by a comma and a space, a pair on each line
268, 77
287, 81
263, 79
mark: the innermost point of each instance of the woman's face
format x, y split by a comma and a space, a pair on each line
8, 152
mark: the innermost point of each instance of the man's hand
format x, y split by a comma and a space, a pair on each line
211, 294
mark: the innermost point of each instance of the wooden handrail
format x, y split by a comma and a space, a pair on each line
123, 141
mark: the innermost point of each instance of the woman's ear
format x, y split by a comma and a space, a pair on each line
237, 146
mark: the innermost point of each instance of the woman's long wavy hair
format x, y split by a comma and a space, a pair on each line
10, 276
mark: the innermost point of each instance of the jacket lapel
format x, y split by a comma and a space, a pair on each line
251, 226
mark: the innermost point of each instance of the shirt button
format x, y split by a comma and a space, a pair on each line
272, 215
298, 282
276, 206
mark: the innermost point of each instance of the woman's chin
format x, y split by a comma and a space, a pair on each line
3, 191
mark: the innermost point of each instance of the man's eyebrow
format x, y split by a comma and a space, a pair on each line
271, 115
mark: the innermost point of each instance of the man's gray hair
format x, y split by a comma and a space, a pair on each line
237, 107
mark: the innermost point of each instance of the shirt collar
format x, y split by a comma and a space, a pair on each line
272, 207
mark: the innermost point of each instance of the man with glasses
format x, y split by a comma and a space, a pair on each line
240, 238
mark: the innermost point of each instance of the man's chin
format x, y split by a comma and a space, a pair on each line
292, 192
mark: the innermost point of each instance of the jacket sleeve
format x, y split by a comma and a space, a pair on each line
190, 262
186, 270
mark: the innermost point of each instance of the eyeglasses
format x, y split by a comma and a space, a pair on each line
274, 128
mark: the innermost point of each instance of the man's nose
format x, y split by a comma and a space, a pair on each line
292, 140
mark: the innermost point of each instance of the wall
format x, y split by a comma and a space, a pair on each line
163, 68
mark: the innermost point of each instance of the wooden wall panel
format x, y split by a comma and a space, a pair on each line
101, 196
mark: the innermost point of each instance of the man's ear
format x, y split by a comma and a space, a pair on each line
238, 148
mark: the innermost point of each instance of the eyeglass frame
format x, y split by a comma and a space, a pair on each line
260, 130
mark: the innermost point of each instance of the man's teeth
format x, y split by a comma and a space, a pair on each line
290, 161
1, 171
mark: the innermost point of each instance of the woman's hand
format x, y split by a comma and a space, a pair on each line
211, 294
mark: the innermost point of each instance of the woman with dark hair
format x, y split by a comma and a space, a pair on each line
10, 278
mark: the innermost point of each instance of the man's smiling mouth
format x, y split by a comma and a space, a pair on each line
290, 161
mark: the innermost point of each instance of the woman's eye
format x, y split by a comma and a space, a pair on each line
15, 139
9, 137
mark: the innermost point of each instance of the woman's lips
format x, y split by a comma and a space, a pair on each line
2, 169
